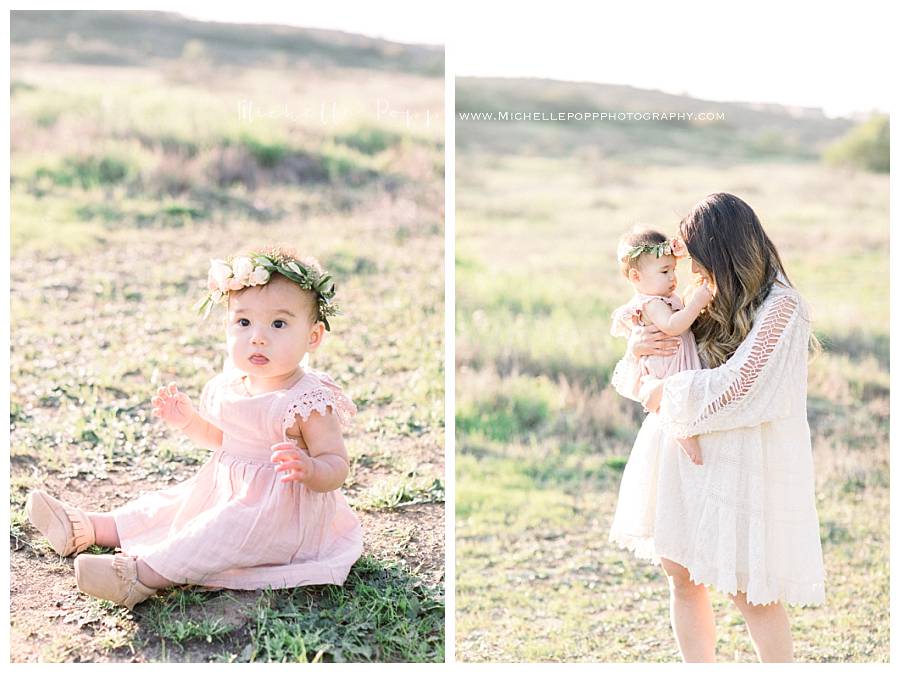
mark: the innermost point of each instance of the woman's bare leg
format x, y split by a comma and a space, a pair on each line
770, 630
691, 614
105, 531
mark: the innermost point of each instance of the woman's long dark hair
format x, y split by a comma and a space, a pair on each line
724, 236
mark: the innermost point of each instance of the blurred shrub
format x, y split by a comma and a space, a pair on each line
268, 154
87, 171
520, 408
866, 146
369, 140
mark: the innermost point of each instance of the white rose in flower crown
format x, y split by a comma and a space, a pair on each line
235, 284
242, 268
220, 272
260, 276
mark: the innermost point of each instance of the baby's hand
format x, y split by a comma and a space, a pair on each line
702, 295
173, 407
295, 461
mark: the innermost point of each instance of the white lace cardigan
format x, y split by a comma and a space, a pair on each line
753, 524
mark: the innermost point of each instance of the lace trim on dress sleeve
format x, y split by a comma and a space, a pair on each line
623, 319
319, 399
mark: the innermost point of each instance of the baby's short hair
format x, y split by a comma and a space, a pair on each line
637, 236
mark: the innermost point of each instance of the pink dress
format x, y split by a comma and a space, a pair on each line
661, 366
234, 524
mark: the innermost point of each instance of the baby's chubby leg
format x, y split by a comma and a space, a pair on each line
105, 530
108, 536
151, 578
691, 447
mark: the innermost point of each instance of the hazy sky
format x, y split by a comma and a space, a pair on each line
795, 53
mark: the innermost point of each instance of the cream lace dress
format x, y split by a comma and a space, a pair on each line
746, 519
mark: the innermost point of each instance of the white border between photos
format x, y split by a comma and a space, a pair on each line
449, 355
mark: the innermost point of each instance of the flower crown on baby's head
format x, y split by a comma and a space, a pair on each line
674, 246
257, 268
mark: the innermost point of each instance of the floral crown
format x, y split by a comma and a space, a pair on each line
236, 273
673, 247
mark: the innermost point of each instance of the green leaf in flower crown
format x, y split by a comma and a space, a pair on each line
293, 266
325, 285
204, 306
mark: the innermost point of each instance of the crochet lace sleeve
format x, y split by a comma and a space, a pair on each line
763, 381
320, 399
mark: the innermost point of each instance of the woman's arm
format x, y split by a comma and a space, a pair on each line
648, 340
757, 384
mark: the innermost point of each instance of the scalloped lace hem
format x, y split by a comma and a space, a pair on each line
793, 593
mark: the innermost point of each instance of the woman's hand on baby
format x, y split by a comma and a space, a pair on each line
173, 406
295, 461
650, 393
651, 340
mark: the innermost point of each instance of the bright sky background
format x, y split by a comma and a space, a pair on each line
833, 56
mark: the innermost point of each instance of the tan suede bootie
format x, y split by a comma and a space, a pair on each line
112, 578
67, 529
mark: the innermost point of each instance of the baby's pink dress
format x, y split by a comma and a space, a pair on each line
661, 366
235, 524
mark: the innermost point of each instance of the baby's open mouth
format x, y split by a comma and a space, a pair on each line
258, 359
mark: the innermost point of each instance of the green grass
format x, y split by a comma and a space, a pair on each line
542, 439
381, 614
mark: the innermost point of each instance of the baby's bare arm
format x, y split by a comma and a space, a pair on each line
673, 322
177, 410
325, 442
203, 432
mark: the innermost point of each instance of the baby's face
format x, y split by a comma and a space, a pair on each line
269, 329
656, 276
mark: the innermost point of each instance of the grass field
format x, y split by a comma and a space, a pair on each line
128, 175
542, 439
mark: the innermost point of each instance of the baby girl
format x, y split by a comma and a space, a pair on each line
648, 260
265, 510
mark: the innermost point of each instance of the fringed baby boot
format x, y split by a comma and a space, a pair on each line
112, 578
68, 529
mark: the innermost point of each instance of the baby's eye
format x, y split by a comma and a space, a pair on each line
278, 324
243, 322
